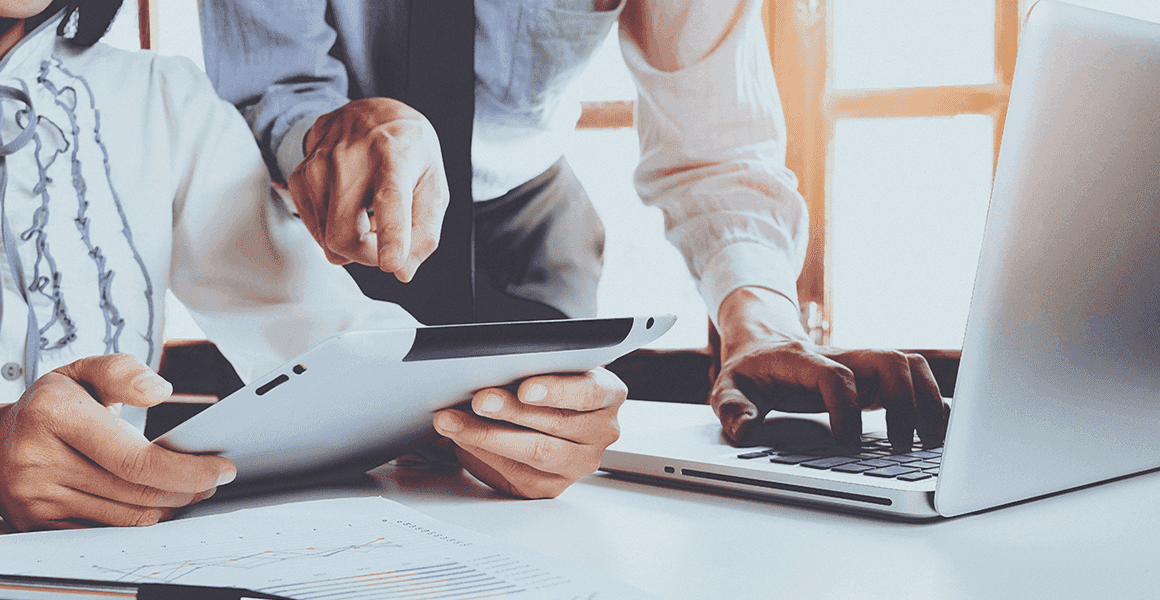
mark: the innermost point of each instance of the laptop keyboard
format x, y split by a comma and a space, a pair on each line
873, 459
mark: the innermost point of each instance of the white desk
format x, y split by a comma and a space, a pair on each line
1101, 542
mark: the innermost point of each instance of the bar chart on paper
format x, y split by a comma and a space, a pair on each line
366, 548
447, 580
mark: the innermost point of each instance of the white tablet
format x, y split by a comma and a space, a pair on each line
366, 396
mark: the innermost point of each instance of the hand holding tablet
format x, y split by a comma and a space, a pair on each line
537, 441
369, 395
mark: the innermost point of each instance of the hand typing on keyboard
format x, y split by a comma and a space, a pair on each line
873, 458
769, 363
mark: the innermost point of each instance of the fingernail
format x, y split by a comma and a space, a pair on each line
152, 384
449, 422
491, 404
204, 495
410, 460
227, 477
536, 393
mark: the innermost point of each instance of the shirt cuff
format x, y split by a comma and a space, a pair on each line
290, 153
747, 264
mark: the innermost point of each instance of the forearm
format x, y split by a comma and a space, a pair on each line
753, 316
713, 152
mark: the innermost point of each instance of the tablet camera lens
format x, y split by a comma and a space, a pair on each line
649, 323
299, 369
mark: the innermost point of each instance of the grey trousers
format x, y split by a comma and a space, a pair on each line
539, 250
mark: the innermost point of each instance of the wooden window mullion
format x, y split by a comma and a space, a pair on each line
606, 115
1007, 23
798, 36
147, 23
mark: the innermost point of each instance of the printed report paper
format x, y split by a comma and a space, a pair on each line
367, 548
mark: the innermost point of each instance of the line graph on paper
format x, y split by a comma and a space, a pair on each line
236, 558
404, 564
356, 548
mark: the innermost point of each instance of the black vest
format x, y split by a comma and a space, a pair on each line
424, 57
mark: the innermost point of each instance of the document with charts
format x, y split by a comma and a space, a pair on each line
367, 548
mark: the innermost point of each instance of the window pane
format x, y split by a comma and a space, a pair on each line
607, 77
177, 29
909, 198
123, 32
643, 272
912, 43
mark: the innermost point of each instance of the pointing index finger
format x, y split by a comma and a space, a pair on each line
392, 220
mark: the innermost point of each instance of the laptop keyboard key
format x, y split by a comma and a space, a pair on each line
853, 468
878, 463
790, 459
828, 451
749, 455
919, 476
891, 472
829, 463
901, 458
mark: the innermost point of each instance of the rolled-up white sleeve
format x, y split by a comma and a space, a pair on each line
712, 138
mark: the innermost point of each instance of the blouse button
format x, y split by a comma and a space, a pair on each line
11, 371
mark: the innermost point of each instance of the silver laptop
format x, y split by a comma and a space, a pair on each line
1059, 383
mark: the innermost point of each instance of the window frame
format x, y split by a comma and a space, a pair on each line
147, 23
800, 34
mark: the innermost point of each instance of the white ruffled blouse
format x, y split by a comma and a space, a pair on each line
127, 176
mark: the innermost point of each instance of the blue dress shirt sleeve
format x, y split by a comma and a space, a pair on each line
278, 71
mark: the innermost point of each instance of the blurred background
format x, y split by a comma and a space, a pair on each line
894, 111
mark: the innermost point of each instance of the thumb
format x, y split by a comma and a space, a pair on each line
736, 413
119, 379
